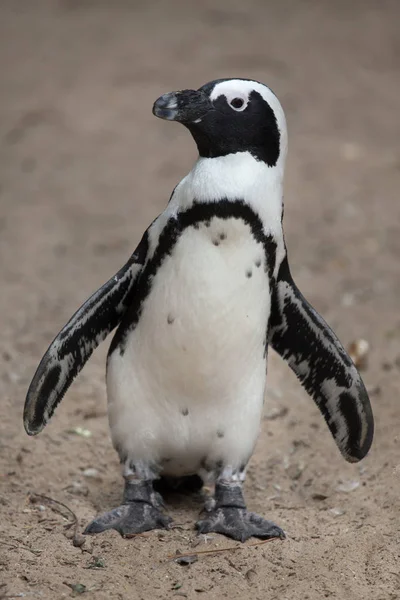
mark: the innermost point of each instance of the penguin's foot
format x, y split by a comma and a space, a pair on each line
230, 517
129, 519
139, 512
239, 524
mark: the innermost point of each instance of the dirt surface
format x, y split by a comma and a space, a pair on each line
84, 168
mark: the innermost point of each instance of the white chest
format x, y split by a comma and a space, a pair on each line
191, 381
207, 313
188, 389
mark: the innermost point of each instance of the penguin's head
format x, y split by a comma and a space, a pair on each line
227, 116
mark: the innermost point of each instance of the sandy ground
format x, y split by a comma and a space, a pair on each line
84, 168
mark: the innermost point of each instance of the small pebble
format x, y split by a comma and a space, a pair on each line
186, 560
80, 431
319, 497
374, 390
358, 351
78, 540
14, 377
337, 512
348, 486
348, 299
259, 488
295, 471
78, 489
251, 576
276, 413
78, 588
91, 472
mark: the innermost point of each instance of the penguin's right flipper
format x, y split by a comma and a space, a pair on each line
74, 344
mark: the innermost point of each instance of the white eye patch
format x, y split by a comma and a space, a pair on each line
236, 98
238, 101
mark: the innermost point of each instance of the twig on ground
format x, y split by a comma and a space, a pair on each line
218, 550
74, 523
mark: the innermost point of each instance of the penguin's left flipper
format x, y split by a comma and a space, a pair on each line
74, 344
303, 339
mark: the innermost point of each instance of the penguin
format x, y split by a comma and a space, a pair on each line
205, 294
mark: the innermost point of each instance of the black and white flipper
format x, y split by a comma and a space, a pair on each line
74, 344
303, 339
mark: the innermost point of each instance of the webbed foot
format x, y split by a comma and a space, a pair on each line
128, 519
139, 512
239, 524
231, 518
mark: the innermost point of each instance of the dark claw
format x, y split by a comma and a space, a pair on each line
128, 519
239, 524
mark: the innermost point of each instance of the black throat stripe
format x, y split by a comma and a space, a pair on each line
199, 212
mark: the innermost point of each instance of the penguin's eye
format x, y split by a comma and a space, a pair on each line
237, 103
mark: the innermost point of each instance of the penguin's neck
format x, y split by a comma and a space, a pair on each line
235, 177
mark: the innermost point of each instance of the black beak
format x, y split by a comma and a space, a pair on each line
187, 106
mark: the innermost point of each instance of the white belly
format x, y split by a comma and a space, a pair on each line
189, 387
